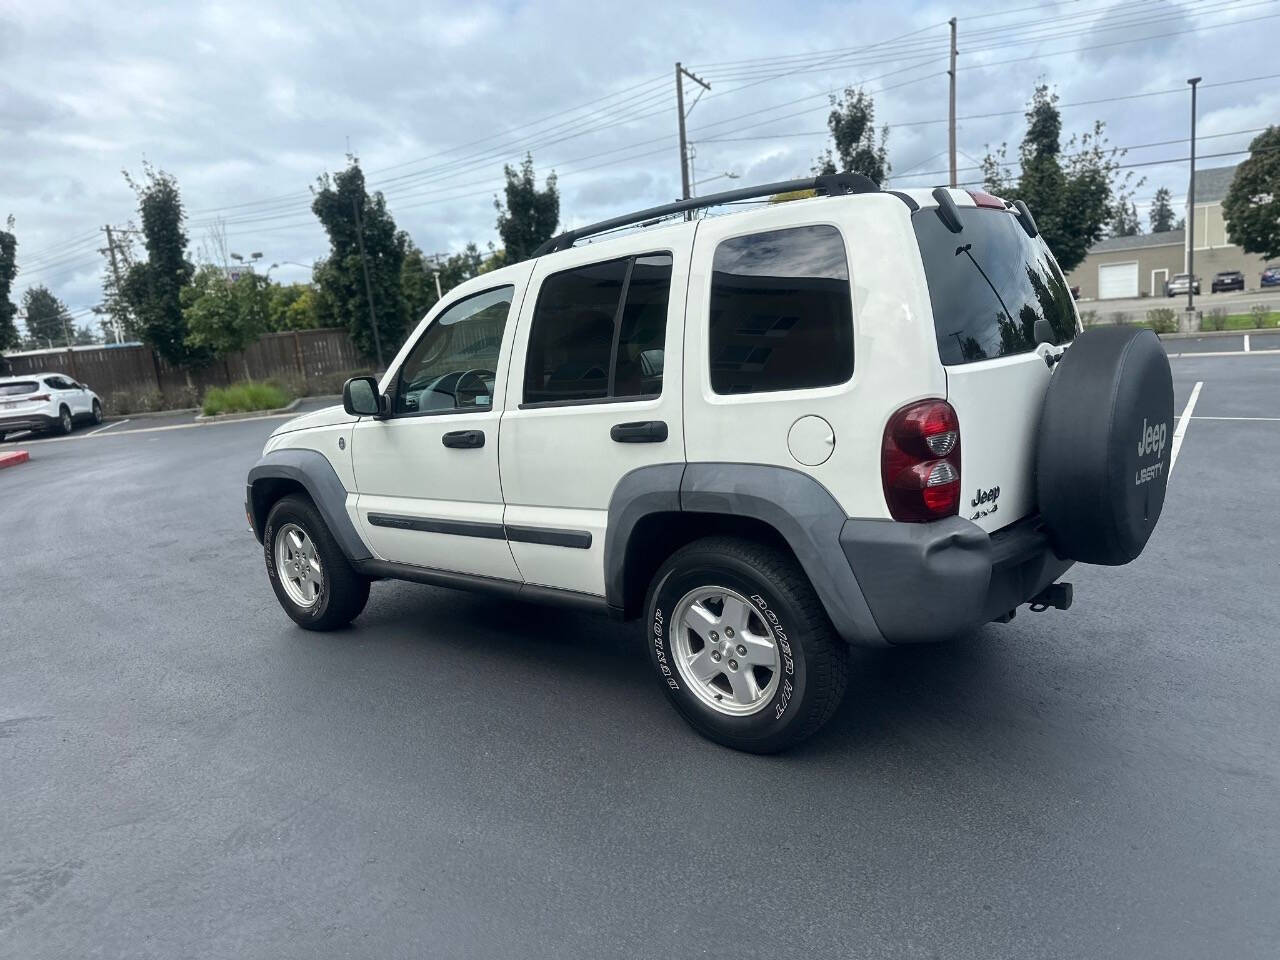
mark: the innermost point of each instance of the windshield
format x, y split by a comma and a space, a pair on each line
18, 387
989, 284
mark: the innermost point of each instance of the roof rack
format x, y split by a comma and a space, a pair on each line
833, 184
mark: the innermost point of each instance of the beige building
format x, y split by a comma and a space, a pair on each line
1140, 266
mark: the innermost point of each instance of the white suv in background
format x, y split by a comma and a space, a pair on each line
851, 419
45, 401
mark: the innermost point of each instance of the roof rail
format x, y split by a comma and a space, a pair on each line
832, 184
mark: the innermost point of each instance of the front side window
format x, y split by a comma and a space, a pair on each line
781, 312
454, 365
989, 284
599, 332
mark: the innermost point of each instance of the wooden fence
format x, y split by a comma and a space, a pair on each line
135, 377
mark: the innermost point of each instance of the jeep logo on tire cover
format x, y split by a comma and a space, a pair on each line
1152, 438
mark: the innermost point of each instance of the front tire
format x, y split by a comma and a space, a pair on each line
310, 575
743, 646
97, 412
65, 423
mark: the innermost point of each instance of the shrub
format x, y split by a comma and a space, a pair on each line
245, 397
1118, 318
1088, 318
1162, 320
1261, 315
1217, 318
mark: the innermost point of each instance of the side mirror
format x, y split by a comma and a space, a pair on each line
360, 397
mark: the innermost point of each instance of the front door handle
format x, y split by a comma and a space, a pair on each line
643, 431
463, 438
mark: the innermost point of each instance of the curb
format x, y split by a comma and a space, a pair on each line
249, 415
14, 458
149, 413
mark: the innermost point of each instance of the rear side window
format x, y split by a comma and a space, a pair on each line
18, 388
781, 312
989, 284
599, 331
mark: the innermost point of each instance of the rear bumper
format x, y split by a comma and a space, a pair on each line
27, 421
929, 581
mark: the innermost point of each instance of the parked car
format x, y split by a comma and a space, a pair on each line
1227, 280
1178, 285
48, 402
1270, 277
684, 440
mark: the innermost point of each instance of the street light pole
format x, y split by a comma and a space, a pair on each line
1191, 211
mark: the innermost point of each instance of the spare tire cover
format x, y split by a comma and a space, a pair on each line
1105, 445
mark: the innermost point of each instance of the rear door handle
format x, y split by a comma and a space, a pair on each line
463, 438
643, 431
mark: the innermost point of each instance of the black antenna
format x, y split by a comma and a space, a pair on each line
834, 184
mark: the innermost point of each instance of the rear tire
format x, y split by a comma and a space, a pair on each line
717, 610
309, 573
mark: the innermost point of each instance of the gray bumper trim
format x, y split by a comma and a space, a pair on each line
928, 581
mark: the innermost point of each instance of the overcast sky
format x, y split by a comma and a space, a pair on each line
245, 104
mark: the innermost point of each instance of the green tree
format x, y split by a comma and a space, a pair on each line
1161, 215
417, 282
84, 336
1125, 222
292, 306
1252, 205
48, 319
1073, 196
224, 317
530, 215
152, 289
9, 336
852, 123
340, 277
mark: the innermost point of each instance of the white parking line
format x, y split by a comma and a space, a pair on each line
1261, 419
1183, 422
1246, 343
1223, 353
173, 426
105, 427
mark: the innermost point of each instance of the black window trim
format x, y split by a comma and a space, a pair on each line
853, 314
452, 411
631, 259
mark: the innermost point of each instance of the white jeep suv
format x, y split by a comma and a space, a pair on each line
850, 419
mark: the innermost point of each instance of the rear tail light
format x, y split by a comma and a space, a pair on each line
920, 462
38, 398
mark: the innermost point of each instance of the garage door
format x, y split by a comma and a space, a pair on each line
1117, 280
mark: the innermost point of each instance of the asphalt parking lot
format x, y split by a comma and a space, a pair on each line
185, 773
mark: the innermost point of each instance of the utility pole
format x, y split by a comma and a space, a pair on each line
115, 272
681, 73
951, 119
1191, 212
368, 287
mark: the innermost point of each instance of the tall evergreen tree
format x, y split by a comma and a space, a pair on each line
342, 297
530, 216
153, 288
852, 123
1074, 195
1125, 222
1162, 215
48, 319
9, 336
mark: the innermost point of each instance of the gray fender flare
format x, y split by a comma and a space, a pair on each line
798, 507
315, 473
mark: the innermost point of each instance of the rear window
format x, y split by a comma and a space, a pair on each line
989, 284
18, 387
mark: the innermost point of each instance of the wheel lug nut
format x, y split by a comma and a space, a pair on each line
742, 651
728, 632
715, 655
733, 664
714, 636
